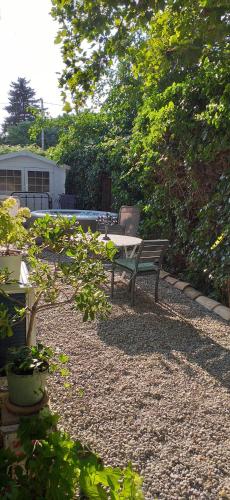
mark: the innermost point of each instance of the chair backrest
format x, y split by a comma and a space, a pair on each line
115, 229
129, 218
152, 251
68, 201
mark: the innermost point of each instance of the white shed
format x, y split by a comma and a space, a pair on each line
37, 181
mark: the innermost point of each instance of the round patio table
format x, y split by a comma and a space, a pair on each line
122, 241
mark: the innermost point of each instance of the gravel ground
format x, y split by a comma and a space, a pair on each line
150, 385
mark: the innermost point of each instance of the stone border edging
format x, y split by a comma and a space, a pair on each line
192, 293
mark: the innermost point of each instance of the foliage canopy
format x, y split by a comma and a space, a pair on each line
166, 143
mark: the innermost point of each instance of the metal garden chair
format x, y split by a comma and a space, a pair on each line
129, 218
148, 260
128, 221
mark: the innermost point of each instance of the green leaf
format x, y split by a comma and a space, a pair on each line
63, 358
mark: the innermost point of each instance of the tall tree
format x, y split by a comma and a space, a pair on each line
21, 100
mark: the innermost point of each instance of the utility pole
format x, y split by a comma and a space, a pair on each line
42, 132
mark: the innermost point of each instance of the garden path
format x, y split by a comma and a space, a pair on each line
150, 385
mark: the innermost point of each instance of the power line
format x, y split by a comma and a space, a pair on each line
53, 104
45, 102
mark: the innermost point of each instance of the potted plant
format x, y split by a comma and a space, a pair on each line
13, 236
27, 372
75, 276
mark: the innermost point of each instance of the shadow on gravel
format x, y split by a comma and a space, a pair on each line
156, 328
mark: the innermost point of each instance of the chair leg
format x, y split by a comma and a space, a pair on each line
132, 290
130, 285
112, 282
156, 285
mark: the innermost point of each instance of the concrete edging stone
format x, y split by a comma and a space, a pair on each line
171, 280
181, 285
192, 293
223, 311
210, 304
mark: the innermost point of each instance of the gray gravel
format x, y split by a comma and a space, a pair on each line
150, 385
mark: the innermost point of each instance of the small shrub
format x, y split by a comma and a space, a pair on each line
48, 464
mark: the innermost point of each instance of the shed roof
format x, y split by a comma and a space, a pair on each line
28, 154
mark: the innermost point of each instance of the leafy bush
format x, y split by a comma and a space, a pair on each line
80, 146
48, 464
83, 272
6, 149
210, 256
13, 235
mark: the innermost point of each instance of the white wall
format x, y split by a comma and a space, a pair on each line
56, 175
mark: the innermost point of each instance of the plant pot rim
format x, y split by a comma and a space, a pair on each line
35, 372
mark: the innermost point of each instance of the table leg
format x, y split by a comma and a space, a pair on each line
127, 256
132, 253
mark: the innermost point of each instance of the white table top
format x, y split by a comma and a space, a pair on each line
121, 240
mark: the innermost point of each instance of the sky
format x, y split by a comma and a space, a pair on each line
27, 49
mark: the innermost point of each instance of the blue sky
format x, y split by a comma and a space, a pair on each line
27, 49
